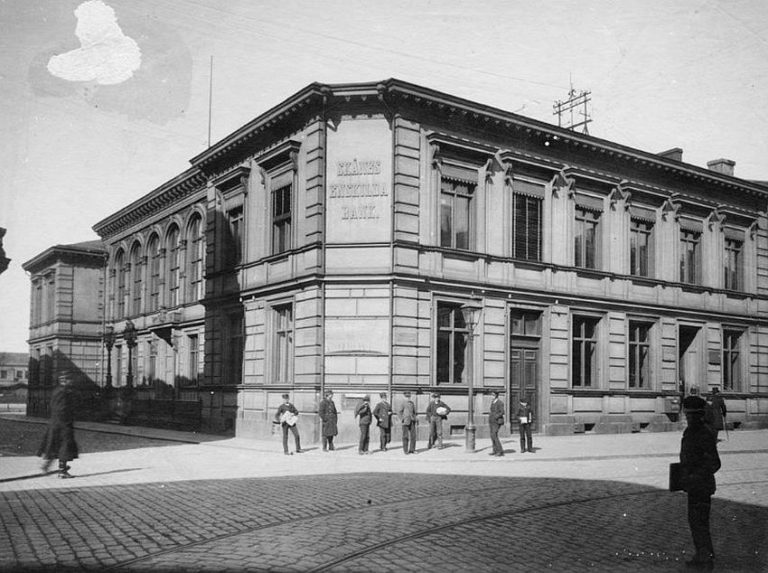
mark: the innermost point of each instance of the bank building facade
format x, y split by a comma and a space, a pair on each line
384, 237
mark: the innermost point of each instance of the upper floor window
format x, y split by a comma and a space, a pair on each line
452, 344
281, 219
195, 256
458, 185
136, 279
173, 257
37, 301
153, 253
527, 202
641, 248
235, 242
233, 349
50, 297
733, 264
584, 351
282, 350
639, 354
690, 256
732, 375
586, 238
121, 278
193, 361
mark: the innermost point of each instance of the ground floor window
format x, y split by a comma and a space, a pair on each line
731, 360
639, 354
584, 352
452, 347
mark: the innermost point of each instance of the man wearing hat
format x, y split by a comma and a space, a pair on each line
717, 411
699, 461
59, 440
437, 411
407, 415
329, 416
287, 416
363, 412
383, 414
495, 423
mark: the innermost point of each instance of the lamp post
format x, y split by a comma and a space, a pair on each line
129, 333
470, 315
109, 342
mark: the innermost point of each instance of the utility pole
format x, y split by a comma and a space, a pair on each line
574, 113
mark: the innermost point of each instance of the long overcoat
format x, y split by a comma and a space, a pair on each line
59, 439
383, 414
329, 416
718, 412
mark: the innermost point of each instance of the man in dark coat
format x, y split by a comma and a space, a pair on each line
329, 416
717, 411
59, 440
383, 414
287, 417
699, 461
495, 422
525, 418
437, 411
363, 412
407, 415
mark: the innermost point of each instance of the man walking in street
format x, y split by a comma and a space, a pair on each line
437, 411
699, 461
329, 416
383, 414
495, 423
525, 418
59, 440
717, 411
287, 416
365, 416
407, 415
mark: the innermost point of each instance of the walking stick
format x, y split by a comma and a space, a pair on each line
725, 427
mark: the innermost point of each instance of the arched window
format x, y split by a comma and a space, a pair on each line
195, 257
153, 256
173, 258
120, 277
136, 279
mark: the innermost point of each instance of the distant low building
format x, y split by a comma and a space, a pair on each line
14, 368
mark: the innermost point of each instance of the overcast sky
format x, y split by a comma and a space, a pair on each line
101, 106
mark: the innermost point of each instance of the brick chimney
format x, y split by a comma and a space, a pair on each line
676, 154
724, 166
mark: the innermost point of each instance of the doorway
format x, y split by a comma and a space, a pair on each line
688, 358
524, 363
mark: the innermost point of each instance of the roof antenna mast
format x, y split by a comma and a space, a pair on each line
210, 101
574, 112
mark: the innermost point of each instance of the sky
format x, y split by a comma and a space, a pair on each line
101, 101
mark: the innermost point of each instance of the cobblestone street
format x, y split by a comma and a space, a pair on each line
142, 504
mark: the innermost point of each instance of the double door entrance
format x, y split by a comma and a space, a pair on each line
524, 363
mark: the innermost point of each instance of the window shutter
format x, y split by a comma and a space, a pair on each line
528, 189
642, 213
589, 202
459, 173
693, 225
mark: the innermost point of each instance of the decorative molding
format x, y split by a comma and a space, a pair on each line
716, 217
561, 182
286, 152
672, 206
620, 193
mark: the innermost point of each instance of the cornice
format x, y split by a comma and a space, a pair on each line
88, 253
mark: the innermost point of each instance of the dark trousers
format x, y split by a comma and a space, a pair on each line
295, 431
409, 438
385, 436
497, 448
699, 506
435, 432
365, 437
328, 443
525, 438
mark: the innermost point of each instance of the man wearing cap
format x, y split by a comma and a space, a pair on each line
407, 415
699, 461
363, 412
495, 423
383, 414
525, 418
287, 416
329, 416
437, 411
717, 411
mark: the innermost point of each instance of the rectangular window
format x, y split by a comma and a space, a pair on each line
194, 356
50, 299
452, 344
585, 239
3, 374
733, 264
731, 360
233, 351
235, 251
282, 350
526, 323
152, 370
118, 365
37, 310
690, 257
584, 352
640, 248
455, 213
639, 354
281, 219
526, 232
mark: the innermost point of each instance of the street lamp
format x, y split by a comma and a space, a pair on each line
109, 342
470, 314
129, 333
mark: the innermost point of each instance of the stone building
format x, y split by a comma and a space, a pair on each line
383, 237
66, 319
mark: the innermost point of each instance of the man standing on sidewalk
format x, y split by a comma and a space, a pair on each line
525, 418
363, 412
407, 415
383, 414
699, 461
329, 416
718, 411
495, 423
59, 440
437, 411
287, 415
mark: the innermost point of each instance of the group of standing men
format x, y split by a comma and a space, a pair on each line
436, 413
